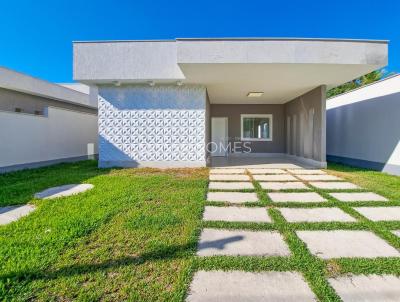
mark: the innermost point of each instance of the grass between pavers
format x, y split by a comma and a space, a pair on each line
315, 270
134, 236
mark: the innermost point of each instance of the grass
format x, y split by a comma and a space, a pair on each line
133, 237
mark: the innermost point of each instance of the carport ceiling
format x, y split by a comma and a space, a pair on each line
229, 83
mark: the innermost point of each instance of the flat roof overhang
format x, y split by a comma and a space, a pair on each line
230, 68
16, 81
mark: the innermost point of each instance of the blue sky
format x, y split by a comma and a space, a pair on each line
36, 36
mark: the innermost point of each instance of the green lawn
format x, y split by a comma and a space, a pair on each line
134, 235
130, 238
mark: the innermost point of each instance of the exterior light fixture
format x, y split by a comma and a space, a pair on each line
117, 83
152, 83
255, 94
179, 83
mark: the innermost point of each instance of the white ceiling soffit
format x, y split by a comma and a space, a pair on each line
230, 83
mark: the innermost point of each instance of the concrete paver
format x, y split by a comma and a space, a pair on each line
346, 243
236, 214
13, 213
334, 185
241, 243
229, 177
380, 213
316, 215
228, 171
302, 197
325, 177
220, 185
63, 191
276, 177
367, 288
290, 185
239, 286
356, 196
233, 197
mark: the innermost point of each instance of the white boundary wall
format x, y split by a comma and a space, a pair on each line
61, 134
363, 126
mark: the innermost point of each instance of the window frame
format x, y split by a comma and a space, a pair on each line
270, 116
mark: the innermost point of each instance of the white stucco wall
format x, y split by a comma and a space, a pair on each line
148, 60
278, 51
62, 134
363, 126
160, 126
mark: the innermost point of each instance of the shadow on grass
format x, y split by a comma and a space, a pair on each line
161, 253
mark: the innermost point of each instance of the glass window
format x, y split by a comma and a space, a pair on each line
257, 127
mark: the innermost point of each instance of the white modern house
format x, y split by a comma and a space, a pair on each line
179, 103
42, 123
363, 126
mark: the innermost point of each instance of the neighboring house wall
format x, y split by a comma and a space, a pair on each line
60, 135
162, 126
363, 127
306, 125
233, 113
10, 99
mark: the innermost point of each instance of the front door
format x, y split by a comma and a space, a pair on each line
219, 136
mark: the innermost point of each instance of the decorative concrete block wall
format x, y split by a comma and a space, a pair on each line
160, 126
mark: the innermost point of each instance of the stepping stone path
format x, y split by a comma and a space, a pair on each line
236, 214
369, 288
13, 213
334, 185
232, 197
344, 243
302, 197
318, 177
348, 197
229, 177
238, 286
397, 233
267, 171
62, 191
278, 177
230, 186
305, 171
316, 215
216, 242
291, 185
227, 171
380, 213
